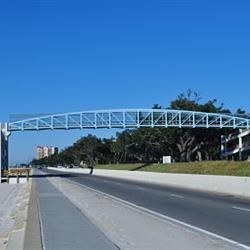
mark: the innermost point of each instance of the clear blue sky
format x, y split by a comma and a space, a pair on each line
61, 56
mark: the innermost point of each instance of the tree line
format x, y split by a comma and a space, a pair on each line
148, 145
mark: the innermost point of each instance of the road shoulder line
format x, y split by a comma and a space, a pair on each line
242, 209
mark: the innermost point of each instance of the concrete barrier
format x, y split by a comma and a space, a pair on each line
232, 185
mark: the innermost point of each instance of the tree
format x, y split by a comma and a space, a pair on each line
150, 144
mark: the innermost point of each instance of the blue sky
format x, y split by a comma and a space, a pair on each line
62, 56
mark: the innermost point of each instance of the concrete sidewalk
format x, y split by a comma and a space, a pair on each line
132, 229
13, 214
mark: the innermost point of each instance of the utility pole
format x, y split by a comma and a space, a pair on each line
4, 148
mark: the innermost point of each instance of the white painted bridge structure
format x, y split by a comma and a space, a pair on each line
120, 118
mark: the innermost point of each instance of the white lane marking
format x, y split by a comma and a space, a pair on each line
140, 188
242, 208
177, 196
163, 217
118, 183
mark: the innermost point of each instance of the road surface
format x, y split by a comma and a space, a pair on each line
226, 216
63, 225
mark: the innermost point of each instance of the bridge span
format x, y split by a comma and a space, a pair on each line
130, 118
120, 118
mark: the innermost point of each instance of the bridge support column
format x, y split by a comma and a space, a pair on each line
240, 146
223, 151
4, 148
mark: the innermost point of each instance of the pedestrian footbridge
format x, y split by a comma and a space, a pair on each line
130, 118
119, 118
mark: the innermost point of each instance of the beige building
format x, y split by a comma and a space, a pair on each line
236, 146
43, 152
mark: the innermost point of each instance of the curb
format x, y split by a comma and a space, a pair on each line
32, 237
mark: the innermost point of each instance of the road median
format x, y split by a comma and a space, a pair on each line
229, 185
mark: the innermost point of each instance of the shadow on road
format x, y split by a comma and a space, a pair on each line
140, 167
45, 173
50, 175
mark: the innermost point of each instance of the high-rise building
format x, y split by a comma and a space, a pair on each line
43, 152
39, 151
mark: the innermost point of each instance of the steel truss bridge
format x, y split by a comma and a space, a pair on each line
130, 118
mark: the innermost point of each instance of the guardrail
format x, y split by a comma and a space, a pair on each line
17, 172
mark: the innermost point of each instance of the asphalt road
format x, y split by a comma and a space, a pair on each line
226, 216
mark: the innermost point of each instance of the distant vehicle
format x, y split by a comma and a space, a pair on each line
68, 166
23, 165
71, 166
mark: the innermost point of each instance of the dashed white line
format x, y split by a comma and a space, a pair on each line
140, 188
118, 183
177, 196
242, 209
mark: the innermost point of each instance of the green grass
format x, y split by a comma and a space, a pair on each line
205, 167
